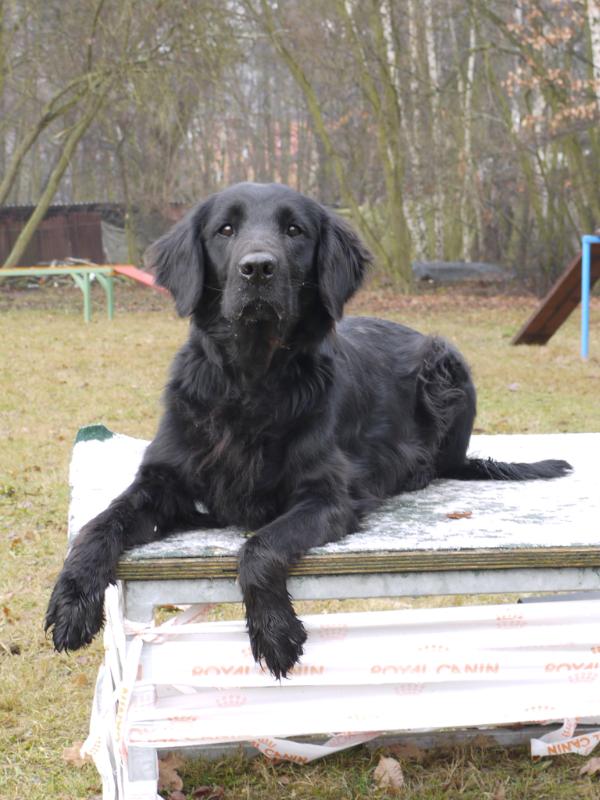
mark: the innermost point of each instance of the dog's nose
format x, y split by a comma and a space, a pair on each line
257, 267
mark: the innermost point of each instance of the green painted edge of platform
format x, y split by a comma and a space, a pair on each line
91, 433
371, 563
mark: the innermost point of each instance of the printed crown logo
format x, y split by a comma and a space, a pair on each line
409, 688
332, 632
544, 714
231, 700
583, 677
531, 709
510, 621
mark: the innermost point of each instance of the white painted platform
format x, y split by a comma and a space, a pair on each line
538, 536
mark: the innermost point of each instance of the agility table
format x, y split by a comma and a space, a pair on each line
452, 538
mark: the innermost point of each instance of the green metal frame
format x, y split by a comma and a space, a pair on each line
82, 276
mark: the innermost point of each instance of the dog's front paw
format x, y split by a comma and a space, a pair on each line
276, 638
74, 613
276, 633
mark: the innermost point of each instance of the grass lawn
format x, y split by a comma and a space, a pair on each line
58, 374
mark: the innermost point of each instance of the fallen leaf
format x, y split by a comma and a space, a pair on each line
177, 795
72, 755
80, 680
499, 792
388, 774
408, 751
591, 767
168, 778
10, 649
208, 793
459, 514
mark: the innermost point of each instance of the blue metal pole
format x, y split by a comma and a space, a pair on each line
586, 242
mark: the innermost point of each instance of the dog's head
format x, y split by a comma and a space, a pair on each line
259, 254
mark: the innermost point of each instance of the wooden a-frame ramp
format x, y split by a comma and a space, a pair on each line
556, 306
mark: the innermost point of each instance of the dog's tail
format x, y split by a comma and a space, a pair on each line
486, 469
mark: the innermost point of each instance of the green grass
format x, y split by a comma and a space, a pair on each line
58, 374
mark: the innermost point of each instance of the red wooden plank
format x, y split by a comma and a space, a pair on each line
138, 275
557, 305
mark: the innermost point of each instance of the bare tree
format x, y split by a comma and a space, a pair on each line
445, 129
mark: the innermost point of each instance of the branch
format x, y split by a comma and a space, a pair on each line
348, 198
70, 145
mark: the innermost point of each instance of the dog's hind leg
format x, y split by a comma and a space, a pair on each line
452, 453
454, 383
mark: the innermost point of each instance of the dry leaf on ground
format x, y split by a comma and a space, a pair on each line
168, 777
459, 514
499, 792
388, 774
591, 767
177, 795
408, 751
208, 793
72, 755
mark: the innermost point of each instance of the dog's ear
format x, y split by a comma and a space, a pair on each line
177, 261
342, 262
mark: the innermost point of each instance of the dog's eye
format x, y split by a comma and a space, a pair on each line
293, 230
226, 230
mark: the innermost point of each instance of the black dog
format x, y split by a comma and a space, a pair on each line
278, 419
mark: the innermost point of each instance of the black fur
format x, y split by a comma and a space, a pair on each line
277, 417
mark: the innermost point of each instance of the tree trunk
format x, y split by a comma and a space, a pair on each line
71, 143
133, 255
468, 192
593, 15
436, 137
383, 98
413, 134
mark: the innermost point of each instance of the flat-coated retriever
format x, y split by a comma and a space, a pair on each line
279, 417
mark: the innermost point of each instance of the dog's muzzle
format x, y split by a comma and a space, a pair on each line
257, 289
